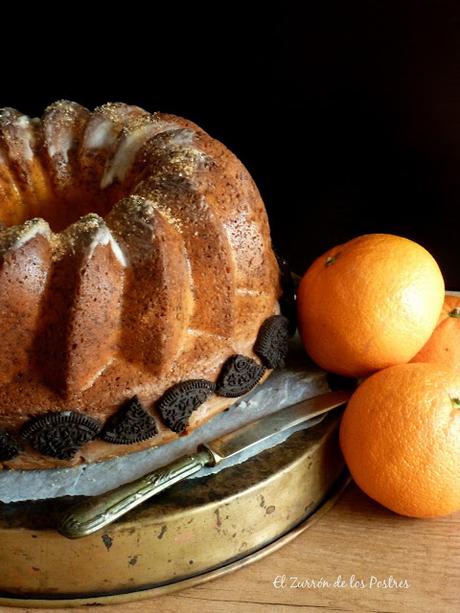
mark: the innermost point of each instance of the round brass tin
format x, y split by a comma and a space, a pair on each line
199, 529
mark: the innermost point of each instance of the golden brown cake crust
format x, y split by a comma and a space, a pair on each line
136, 255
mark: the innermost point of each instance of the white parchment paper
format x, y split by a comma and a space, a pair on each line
298, 381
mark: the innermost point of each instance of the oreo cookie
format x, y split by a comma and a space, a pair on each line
131, 424
9, 447
272, 341
179, 402
238, 376
60, 435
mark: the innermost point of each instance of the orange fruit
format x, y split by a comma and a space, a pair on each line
369, 303
443, 346
400, 436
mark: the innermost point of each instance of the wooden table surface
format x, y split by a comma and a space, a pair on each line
340, 561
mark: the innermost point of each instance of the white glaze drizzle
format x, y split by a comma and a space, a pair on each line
119, 165
59, 144
130, 143
244, 291
25, 124
17, 236
100, 135
104, 237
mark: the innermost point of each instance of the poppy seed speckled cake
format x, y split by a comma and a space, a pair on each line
138, 286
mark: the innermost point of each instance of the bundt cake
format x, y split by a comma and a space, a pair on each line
138, 286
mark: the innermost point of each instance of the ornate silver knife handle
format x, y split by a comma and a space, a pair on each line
99, 511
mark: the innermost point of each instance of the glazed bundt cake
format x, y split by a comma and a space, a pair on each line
138, 286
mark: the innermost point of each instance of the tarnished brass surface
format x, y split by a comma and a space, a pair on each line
97, 512
183, 535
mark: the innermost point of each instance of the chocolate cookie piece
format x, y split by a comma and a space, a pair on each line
131, 424
238, 376
179, 402
272, 341
60, 435
9, 447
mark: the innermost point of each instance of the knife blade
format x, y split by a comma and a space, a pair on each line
264, 428
99, 511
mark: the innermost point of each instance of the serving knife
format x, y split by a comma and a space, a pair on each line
99, 511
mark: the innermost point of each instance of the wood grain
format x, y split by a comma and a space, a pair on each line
357, 537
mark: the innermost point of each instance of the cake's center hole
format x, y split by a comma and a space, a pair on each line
60, 211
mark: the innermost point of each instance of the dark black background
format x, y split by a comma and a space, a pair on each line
346, 113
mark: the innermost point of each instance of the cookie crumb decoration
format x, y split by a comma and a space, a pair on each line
9, 447
179, 402
272, 341
238, 376
131, 424
60, 435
